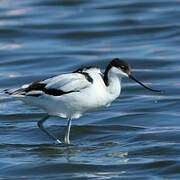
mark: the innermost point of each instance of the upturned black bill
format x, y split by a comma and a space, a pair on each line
133, 78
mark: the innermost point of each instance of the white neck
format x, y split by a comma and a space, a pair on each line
114, 84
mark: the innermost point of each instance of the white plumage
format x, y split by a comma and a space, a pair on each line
73, 94
84, 95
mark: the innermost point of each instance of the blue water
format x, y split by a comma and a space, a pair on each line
138, 136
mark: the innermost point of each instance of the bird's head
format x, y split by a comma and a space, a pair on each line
122, 69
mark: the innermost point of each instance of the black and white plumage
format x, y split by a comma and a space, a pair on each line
73, 94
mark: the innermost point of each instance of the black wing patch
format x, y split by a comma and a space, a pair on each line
87, 76
37, 86
85, 68
82, 71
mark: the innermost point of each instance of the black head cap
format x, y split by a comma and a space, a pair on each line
121, 64
118, 63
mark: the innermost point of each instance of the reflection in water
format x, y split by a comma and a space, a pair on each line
10, 46
16, 12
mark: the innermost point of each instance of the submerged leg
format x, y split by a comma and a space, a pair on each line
67, 132
40, 125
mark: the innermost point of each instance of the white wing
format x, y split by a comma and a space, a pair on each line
67, 82
58, 85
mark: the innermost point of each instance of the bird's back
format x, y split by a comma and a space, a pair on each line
67, 95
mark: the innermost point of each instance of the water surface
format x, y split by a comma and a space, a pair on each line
138, 136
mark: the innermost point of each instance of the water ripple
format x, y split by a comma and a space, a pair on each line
138, 136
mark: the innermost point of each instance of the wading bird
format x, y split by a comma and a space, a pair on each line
73, 94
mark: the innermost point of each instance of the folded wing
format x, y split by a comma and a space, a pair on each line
67, 82
58, 85
55, 86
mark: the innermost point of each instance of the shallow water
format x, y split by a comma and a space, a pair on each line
139, 135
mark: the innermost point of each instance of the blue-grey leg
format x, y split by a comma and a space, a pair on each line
67, 132
40, 125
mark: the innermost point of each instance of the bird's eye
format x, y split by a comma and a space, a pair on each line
123, 67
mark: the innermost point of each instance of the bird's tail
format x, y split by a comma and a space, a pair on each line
15, 92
